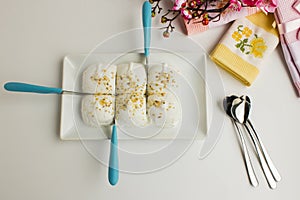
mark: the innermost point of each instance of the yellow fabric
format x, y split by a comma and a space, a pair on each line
264, 21
234, 64
239, 53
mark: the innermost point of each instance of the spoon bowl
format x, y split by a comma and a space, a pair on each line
240, 109
227, 104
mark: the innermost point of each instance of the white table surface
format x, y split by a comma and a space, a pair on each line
35, 35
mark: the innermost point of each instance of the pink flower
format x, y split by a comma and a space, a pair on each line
179, 4
186, 14
250, 2
270, 6
235, 5
265, 5
182, 6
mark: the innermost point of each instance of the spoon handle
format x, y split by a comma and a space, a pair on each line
269, 161
263, 163
113, 169
25, 87
249, 167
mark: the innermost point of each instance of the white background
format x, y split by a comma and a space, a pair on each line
35, 35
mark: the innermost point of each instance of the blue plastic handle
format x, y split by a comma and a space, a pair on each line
113, 169
25, 87
147, 9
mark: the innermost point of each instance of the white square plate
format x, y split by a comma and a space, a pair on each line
192, 94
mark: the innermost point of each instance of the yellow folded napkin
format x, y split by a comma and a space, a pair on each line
247, 42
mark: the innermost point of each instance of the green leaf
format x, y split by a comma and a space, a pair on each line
239, 28
245, 40
238, 45
248, 52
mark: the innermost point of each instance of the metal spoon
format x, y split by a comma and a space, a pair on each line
227, 104
240, 112
272, 167
269, 161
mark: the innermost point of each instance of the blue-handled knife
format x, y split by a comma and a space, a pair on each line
113, 168
146, 13
147, 8
31, 88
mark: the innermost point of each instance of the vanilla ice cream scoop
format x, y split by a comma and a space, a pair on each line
131, 103
163, 106
131, 78
98, 109
164, 109
131, 110
161, 77
99, 79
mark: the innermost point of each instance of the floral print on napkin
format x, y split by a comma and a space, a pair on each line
249, 43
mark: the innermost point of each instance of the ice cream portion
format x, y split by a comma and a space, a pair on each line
163, 106
98, 109
99, 79
160, 79
131, 79
131, 100
164, 109
131, 110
